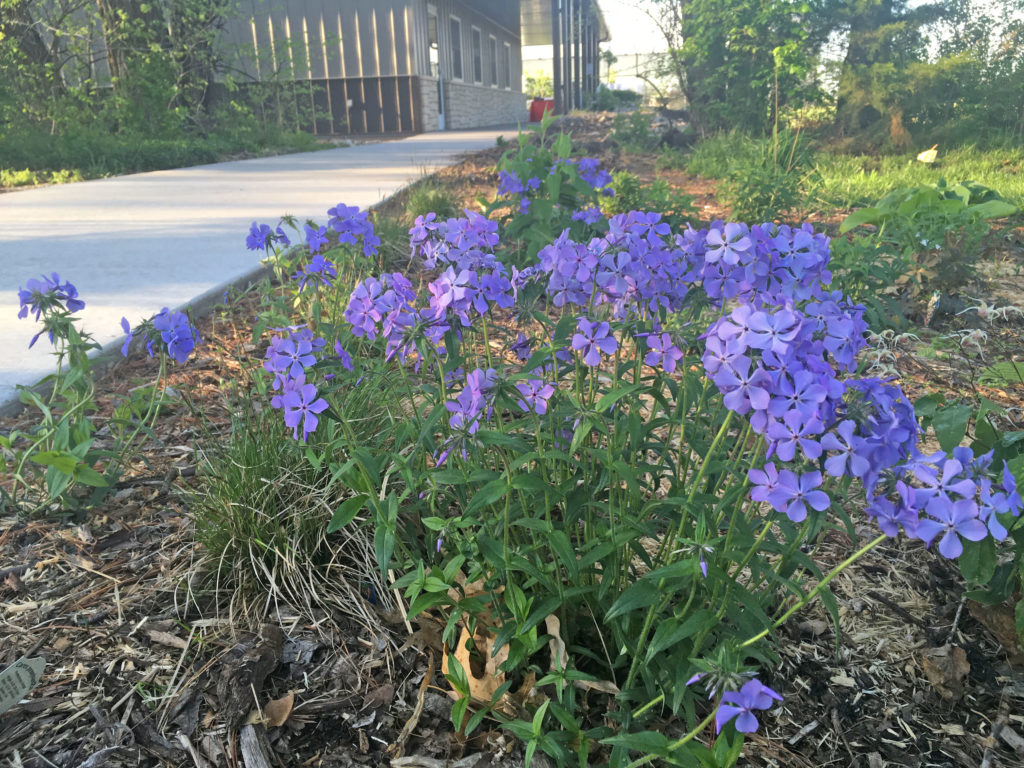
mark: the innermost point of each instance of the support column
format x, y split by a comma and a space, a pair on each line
577, 30
556, 55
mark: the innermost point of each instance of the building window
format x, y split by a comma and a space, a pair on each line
478, 56
494, 60
506, 81
456, 44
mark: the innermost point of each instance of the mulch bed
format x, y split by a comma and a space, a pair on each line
146, 666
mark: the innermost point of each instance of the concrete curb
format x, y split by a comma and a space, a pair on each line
110, 354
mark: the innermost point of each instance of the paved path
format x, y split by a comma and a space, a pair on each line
134, 244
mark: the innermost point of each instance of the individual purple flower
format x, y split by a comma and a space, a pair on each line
794, 494
177, 332
319, 271
728, 244
316, 238
795, 429
343, 356
521, 347
535, 395
301, 406
288, 357
764, 480
591, 339
741, 705
953, 520
742, 388
590, 215
950, 481
662, 352
258, 237
846, 459
127, 328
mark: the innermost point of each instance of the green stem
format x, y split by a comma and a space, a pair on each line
821, 585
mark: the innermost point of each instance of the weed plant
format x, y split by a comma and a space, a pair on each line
429, 198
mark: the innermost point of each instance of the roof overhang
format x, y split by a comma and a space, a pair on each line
535, 22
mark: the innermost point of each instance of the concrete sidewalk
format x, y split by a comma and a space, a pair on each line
134, 244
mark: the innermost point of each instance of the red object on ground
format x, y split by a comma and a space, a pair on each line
538, 108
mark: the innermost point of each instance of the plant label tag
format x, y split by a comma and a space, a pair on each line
17, 680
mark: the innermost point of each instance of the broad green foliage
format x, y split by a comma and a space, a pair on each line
934, 229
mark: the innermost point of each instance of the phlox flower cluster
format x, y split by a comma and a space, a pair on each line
353, 226
261, 237
779, 357
463, 243
48, 298
174, 330
288, 358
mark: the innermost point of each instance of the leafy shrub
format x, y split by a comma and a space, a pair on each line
632, 131
873, 275
671, 159
936, 227
767, 185
582, 495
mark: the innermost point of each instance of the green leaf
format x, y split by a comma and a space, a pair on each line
563, 548
950, 425
978, 561
489, 494
88, 476
608, 400
346, 512
645, 742
857, 218
993, 209
641, 594
62, 461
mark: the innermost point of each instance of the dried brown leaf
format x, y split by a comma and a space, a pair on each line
279, 710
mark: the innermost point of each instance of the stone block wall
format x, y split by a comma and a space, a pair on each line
471, 106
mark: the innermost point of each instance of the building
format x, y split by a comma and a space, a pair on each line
386, 66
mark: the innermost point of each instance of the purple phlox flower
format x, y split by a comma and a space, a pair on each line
524, 206
319, 271
465, 412
801, 391
281, 237
662, 352
509, 184
765, 481
422, 227
741, 705
727, 244
362, 312
535, 395
260, 235
48, 294
719, 353
742, 387
953, 520
301, 406
891, 517
843, 440
287, 357
343, 356
590, 215
177, 332
521, 347
773, 332
497, 289
316, 238
795, 429
794, 494
1013, 498
989, 507
127, 328
950, 481
591, 339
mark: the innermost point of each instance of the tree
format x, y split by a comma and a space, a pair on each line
735, 61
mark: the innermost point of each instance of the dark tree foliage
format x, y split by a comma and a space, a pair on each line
900, 72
